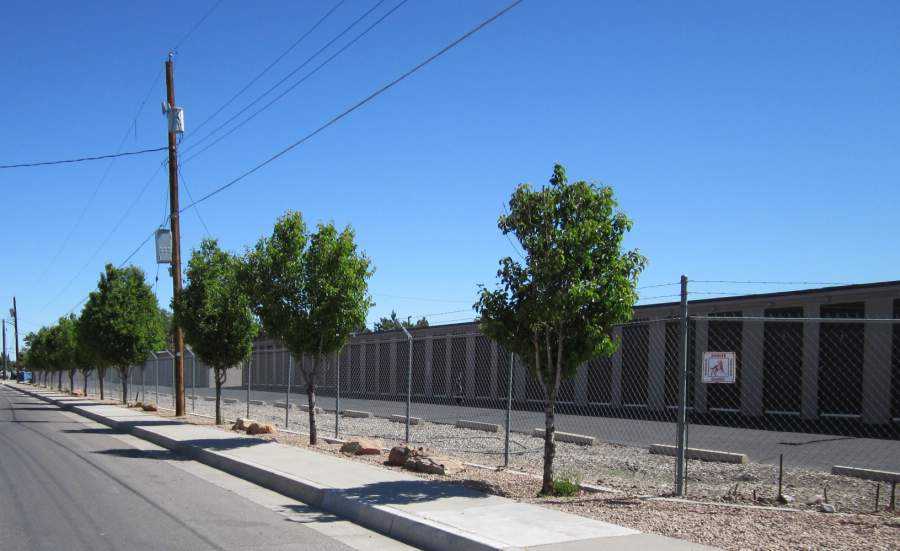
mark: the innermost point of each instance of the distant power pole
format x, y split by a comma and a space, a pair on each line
15, 314
176, 235
5, 365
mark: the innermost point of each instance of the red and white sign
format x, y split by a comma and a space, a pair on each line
719, 367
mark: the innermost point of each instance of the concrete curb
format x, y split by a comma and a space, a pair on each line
477, 425
702, 455
357, 414
867, 474
569, 437
402, 419
391, 521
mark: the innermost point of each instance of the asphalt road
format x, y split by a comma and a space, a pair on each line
813, 451
67, 483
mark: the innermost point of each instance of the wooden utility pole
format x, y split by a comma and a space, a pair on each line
16, 335
178, 336
5, 366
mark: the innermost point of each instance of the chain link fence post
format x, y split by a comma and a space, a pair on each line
156, 377
681, 430
509, 387
287, 390
337, 396
248, 367
193, 380
409, 355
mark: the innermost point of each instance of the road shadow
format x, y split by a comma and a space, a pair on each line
313, 515
104, 430
134, 453
224, 443
402, 492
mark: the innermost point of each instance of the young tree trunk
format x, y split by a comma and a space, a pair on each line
124, 376
59, 380
219, 381
549, 441
311, 398
72, 382
84, 390
100, 374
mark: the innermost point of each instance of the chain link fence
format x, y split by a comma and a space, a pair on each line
808, 393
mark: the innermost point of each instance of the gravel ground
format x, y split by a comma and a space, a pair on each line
731, 527
632, 473
628, 469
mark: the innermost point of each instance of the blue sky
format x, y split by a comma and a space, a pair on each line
747, 141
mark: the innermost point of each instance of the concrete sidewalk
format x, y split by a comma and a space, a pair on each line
425, 513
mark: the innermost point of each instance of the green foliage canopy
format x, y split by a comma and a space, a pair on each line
213, 309
121, 319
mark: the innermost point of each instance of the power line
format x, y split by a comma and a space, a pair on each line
270, 65
133, 125
112, 232
83, 159
196, 26
444, 313
658, 285
358, 104
102, 180
771, 282
191, 197
287, 149
259, 98
423, 299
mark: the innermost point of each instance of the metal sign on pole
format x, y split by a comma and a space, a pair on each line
719, 367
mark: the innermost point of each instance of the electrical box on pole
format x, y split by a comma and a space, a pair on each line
163, 246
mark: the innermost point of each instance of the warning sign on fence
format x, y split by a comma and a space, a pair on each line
718, 367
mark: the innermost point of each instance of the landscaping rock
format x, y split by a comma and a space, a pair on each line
362, 446
827, 508
149, 407
399, 455
815, 500
242, 424
260, 428
433, 464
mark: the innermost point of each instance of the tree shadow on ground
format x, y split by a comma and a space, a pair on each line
402, 492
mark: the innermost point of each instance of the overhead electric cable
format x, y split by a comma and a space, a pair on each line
83, 159
270, 65
284, 79
358, 104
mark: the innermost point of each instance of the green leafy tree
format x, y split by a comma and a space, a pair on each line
121, 321
214, 312
37, 355
310, 291
86, 357
64, 349
557, 308
393, 322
